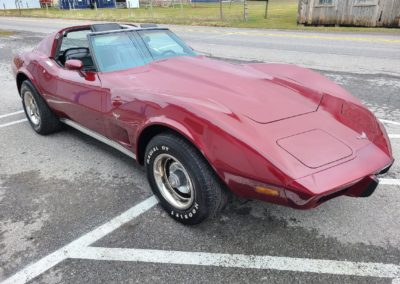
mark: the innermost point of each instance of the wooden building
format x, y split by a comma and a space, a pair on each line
365, 13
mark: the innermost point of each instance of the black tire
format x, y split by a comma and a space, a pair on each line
48, 122
210, 195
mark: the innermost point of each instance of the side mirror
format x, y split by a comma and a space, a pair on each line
74, 64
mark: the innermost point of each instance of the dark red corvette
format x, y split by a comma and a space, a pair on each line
202, 127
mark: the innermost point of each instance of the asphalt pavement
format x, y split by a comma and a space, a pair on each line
73, 210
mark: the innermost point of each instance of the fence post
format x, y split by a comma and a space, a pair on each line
245, 10
128, 5
151, 8
266, 9
221, 12
4, 6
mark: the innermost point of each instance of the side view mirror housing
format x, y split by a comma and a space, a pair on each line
74, 64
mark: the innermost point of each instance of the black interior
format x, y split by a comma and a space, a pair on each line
79, 53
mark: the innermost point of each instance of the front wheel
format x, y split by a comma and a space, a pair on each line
40, 116
183, 181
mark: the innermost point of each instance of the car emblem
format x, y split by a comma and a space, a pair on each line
116, 115
362, 136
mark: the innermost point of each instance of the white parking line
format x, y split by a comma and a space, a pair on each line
365, 269
394, 136
13, 122
12, 113
389, 181
35, 269
390, 121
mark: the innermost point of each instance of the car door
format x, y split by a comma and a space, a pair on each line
81, 97
79, 92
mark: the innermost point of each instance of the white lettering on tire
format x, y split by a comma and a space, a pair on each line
153, 150
186, 216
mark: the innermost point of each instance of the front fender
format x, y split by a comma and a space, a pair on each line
220, 137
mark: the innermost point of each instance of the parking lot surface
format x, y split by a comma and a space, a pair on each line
73, 210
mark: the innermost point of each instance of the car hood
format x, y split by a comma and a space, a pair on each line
242, 89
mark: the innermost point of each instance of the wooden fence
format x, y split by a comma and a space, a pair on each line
367, 13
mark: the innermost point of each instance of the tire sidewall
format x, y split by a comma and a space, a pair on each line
199, 208
24, 88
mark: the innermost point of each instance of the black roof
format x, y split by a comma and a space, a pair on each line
108, 27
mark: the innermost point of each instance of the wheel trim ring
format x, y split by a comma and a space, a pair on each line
172, 196
32, 110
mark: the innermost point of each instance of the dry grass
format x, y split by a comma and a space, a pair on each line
5, 33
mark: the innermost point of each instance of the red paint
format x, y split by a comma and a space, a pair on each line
257, 124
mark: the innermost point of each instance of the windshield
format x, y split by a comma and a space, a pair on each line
124, 50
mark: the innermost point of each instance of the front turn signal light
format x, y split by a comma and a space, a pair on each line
267, 191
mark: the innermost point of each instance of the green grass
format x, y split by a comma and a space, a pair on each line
281, 15
5, 33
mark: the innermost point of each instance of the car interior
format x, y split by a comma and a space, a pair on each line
75, 44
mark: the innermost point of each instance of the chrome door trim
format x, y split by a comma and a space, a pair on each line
98, 137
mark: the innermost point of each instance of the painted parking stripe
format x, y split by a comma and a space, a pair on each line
12, 113
390, 121
394, 136
365, 269
13, 122
35, 269
389, 181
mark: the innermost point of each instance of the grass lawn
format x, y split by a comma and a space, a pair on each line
5, 33
281, 15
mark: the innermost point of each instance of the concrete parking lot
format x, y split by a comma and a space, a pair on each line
73, 210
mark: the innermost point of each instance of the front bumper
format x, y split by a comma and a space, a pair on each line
356, 178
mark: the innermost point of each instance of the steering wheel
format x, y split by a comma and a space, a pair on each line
168, 52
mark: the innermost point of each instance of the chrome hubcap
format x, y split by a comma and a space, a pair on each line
32, 110
173, 181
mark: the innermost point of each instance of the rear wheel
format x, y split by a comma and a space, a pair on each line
40, 116
183, 181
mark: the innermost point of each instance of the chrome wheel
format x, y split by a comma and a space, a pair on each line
173, 181
32, 110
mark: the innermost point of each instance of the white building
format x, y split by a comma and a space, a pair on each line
19, 4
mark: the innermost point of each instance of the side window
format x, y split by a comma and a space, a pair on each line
75, 45
75, 39
117, 51
325, 2
365, 3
